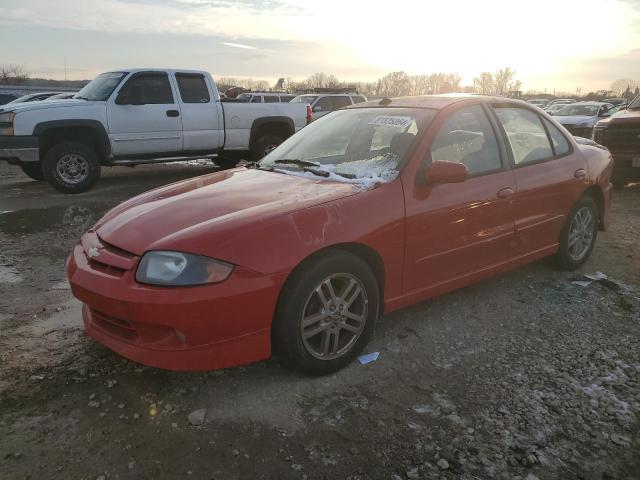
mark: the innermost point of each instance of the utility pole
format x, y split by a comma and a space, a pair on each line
65, 69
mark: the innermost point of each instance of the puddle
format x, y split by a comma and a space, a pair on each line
74, 218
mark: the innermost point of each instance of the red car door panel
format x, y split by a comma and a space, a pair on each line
457, 229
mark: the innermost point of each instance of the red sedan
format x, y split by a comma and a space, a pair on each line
368, 209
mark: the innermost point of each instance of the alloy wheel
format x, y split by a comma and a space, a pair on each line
581, 234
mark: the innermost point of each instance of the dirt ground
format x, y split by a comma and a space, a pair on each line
525, 376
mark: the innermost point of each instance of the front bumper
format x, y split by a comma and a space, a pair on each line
19, 149
189, 328
623, 169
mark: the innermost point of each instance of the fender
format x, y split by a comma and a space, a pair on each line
259, 122
101, 133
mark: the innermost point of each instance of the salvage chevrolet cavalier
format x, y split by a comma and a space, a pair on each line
369, 209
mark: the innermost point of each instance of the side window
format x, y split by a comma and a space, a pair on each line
527, 137
325, 103
560, 143
256, 99
271, 99
286, 98
340, 102
467, 137
154, 88
193, 88
357, 99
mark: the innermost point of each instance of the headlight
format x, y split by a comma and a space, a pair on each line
180, 269
6, 123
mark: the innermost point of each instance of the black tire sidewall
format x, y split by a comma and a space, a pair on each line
56, 152
286, 336
563, 258
258, 150
33, 170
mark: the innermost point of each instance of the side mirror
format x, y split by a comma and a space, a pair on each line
442, 171
317, 108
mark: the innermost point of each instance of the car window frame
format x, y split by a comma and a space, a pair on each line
146, 73
493, 105
192, 75
504, 164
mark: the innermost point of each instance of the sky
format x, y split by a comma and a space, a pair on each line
552, 44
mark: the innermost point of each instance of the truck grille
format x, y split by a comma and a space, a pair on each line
618, 137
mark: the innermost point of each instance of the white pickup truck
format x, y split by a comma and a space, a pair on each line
139, 116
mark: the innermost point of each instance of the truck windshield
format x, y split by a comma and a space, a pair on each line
101, 87
362, 146
579, 110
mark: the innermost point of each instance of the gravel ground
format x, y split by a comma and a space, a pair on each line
525, 376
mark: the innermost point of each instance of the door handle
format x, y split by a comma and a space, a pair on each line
505, 193
173, 113
580, 173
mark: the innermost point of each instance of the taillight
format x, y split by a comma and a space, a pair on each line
309, 114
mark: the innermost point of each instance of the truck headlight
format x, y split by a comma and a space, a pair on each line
6, 123
169, 268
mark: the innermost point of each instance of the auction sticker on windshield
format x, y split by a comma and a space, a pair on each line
391, 121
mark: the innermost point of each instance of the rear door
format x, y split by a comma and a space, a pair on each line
550, 177
152, 126
202, 122
460, 229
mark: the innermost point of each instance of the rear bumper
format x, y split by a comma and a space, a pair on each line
18, 149
196, 328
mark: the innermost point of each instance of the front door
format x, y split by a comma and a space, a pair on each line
144, 117
457, 230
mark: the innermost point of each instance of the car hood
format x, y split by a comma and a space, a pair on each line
181, 215
574, 119
622, 117
42, 105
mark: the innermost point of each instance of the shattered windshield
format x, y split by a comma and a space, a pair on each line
364, 146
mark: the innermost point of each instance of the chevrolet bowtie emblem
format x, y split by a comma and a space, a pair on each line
93, 252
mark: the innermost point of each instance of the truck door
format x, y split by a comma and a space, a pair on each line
144, 117
201, 119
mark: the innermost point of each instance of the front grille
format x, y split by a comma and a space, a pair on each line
619, 137
107, 269
106, 258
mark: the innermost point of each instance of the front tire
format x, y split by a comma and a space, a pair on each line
326, 314
578, 236
71, 167
265, 145
33, 170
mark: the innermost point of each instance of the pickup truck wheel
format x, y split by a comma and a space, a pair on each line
71, 167
33, 170
326, 314
264, 145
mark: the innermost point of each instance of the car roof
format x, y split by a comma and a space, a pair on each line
436, 102
330, 95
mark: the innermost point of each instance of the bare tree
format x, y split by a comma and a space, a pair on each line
394, 84
13, 74
624, 86
484, 83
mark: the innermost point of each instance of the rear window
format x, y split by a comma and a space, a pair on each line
193, 88
308, 99
358, 99
271, 99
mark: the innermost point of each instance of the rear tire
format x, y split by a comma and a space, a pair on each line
71, 167
264, 145
316, 336
33, 170
578, 235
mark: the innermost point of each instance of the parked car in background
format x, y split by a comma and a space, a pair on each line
287, 258
62, 96
7, 97
620, 133
562, 101
580, 117
618, 102
139, 116
266, 97
539, 102
323, 103
33, 97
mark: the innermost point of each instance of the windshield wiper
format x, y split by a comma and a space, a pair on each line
315, 171
297, 162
